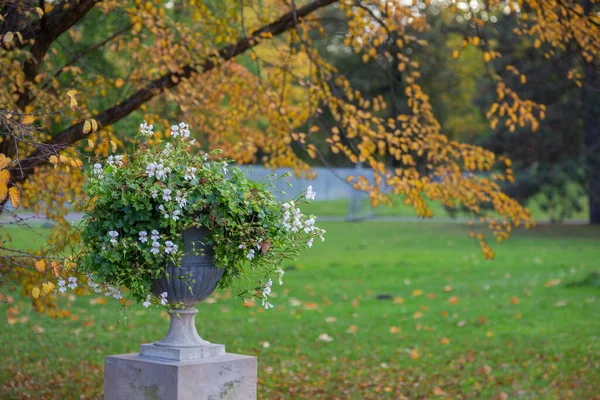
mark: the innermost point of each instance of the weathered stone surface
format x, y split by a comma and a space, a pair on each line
182, 353
135, 377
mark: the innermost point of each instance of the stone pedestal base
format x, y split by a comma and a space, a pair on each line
135, 377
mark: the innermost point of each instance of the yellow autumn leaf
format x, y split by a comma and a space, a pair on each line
4, 161
4, 177
455, 54
3, 192
39, 12
487, 57
8, 37
73, 103
35, 293
15, 197
53, 160
40, 265
113, 146
119, 83
71, 92
537, 43
46, 288
87, 126
94, 125
27, 120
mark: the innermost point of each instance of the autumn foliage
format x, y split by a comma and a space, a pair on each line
248, 77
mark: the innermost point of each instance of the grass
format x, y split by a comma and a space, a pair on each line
412, 310
340, 207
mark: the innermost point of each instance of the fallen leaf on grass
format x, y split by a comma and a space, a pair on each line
453, 300
417, 292
414, 354
514, 300
330, 319
398, 300
395, 329
352, 329
445, 340
325, 337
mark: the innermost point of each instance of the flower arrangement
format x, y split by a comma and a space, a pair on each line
141, 203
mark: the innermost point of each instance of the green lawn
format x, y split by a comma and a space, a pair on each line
412, 309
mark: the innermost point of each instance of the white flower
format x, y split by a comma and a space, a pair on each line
147, 302
174, 131
150, 168
146, 129
189, 173
113, 235
267, 289
155, 235
185, 130
72, 282
163, 298
266, 305
180, 199
154, 194
119, 160
166, 195
242, 246
310, 194
176, 215
310, 242
98, 169
110, 161
155, 248
143, 237
170, 247
62, 286
225, 167
280, 272
250, 254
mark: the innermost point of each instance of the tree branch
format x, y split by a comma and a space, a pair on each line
109, 116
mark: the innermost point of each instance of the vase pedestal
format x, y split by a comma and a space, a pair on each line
137, 377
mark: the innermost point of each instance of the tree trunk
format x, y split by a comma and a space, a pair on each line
591, 125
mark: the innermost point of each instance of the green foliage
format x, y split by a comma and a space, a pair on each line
140, 205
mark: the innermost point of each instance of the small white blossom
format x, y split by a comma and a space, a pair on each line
310, 242
266, 305
167, 195
72, 282
155, 248
119, 160
174, 131
163, 298
110, 161
143, 237
150, 169
267, 289
170, 247
154, 194
310, 194
189, 174
242, 246
146, 129
98, 169
113, 235
280, 272
180, 199
62, 286
147, 302
185, 130
155, 235
176, 215
250, 254
225, 170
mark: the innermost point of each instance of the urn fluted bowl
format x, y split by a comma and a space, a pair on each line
189, 283
196, 277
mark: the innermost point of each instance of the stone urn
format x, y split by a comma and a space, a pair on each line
189, 283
